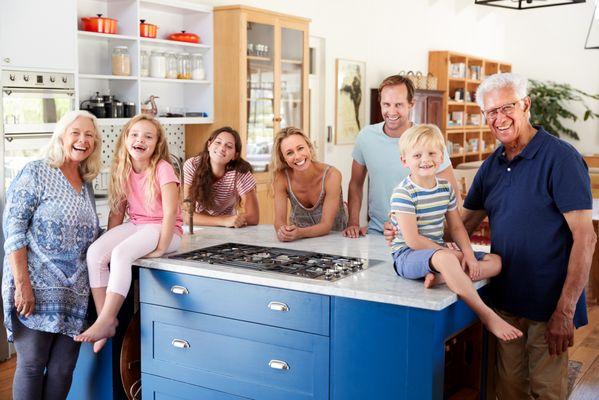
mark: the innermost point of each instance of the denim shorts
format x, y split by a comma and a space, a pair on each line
415, 264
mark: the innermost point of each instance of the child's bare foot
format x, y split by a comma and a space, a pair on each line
101, 329
502, 329
98, 345
429, 280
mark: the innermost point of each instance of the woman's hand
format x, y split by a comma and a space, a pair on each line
235, 221
288, 233
24, 299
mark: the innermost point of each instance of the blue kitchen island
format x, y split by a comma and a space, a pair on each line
211, 332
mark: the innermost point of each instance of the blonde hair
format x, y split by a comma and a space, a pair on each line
55, 155
278, 163
121, 164
424, 133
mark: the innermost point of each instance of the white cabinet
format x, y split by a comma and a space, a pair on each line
176, 96
38, 34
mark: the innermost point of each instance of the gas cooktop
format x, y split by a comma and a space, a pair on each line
306, 264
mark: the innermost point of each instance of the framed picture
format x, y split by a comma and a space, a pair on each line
350, 100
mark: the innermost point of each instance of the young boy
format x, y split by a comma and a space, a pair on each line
419, 206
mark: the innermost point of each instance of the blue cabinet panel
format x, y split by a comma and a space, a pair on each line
156, 388
232, 356
277, 307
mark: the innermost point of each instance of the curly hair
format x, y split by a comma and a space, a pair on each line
121, 166
203, 178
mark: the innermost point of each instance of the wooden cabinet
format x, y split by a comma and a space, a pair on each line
427, 107
462, 123
37, 34
261, 85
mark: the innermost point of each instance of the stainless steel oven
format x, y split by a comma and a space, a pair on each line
31, 104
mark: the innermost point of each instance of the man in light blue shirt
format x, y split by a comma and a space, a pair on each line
376, 153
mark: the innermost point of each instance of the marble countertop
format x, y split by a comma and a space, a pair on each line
378, 283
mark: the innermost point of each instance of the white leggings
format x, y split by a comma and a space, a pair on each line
121, 246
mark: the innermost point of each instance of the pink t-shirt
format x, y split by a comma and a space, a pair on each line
227, 189
136, 199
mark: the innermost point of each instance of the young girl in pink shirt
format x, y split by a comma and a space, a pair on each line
145, 187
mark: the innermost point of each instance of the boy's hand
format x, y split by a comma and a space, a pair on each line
389, 231
473, 267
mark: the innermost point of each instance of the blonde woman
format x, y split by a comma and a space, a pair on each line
49, 222
143, 185
313, 189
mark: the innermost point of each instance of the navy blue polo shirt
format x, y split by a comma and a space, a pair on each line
525, 200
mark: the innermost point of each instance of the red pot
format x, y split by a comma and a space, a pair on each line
99, 24
147, 30
184, 37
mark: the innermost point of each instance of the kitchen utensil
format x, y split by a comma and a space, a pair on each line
128, 109
99, 24
147, 30
97, 109
184, 37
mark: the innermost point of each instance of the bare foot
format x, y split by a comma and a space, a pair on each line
429, 280
98, 344
101, 329
502, 329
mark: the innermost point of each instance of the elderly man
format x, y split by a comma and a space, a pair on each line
376, 153
535, 189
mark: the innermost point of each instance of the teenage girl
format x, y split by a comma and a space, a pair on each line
313, 189
218, 181
143, 185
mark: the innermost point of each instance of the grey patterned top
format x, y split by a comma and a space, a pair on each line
44, 213
307, 216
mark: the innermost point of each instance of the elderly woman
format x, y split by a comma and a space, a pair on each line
49, 222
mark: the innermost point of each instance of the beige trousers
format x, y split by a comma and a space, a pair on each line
525, 370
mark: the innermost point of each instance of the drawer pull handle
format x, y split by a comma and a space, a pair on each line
278, 306
278, 364
179, 290
180, 344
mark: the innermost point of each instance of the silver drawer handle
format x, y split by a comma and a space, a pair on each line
180, 344
179, 290
278, 306
278, 364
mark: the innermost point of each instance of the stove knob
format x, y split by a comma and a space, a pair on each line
52, 79
26, 78
12, 77
64, 79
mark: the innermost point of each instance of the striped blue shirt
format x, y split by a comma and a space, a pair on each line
429, 205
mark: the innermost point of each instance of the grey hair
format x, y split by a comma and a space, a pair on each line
499, 81
54, 153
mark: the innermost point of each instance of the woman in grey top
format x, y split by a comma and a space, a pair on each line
313, 189
49, 222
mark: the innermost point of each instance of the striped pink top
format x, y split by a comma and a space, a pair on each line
228, 189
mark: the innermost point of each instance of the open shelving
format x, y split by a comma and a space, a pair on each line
94, 65
466, 134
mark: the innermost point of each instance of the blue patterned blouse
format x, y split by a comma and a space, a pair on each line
44, 213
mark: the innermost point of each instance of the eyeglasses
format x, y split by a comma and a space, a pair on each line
506, 109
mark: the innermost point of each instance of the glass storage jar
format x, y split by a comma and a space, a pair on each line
197, 67
157, 65
121, 63
144, 63
184, 71
172, 65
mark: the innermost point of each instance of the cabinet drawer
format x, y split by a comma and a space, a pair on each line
237, 357
277, 307
157, 388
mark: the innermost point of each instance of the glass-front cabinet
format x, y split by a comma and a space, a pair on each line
261, 85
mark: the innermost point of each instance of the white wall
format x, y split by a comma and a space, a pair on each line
394, 35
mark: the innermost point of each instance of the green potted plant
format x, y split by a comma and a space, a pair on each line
549, 101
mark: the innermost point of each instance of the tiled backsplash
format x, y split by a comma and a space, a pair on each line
176, 144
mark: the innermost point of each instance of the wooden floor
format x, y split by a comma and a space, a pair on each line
585, 350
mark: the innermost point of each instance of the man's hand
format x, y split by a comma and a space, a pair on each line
355, 231
24, 299
560, 333
389, 231
471, 263
288, 233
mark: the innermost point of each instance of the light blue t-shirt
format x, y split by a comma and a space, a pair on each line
379, 153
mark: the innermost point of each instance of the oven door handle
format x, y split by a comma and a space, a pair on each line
11, 136
70, 92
